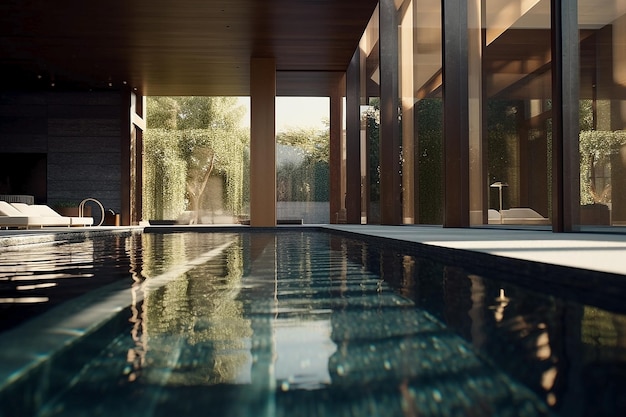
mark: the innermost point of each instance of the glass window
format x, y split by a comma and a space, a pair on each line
420, 61
602, 28
370, 121
517, 111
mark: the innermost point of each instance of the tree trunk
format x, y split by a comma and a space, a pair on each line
196, 195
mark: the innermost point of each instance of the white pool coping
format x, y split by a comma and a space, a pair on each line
603, 252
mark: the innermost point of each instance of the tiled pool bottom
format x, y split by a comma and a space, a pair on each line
315, 324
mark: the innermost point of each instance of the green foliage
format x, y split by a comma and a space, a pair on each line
595, 147
213, 113
586, 115
430, 162
163, 112
164, 175
502, 136
312, 143
372, 123
599, 143
190, 139
225, 149
302, 172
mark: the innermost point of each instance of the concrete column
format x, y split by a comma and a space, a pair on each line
390, 142
126, 162
131, 153
455, 113
479, 184
263, 142
565, 123
353, 141
407, 101
337, 188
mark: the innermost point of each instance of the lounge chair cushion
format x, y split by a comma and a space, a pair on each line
36, 210
7, 209
11, 217
45, 211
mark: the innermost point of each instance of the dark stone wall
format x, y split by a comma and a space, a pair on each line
80, 132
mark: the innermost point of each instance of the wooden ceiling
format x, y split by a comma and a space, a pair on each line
178, 48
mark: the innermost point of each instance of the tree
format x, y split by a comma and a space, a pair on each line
312, 142
162, 113
208, 152
208, 140
596, 148
213, 113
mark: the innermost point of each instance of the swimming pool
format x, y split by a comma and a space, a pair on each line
296, 322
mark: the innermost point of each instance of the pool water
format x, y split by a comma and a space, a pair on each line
318, 324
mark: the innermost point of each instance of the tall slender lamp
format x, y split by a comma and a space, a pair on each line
499, 185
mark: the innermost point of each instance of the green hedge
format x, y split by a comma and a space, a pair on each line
164, 177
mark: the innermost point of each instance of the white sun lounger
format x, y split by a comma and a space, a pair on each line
517, 215
46, 211
10, 216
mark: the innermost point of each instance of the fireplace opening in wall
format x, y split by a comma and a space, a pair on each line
24, 174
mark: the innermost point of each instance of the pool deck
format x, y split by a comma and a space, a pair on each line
594, 251
597, 250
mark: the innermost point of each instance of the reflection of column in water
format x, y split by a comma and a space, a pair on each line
263, 275
339, 270
476, 312
263, 369
457, 292
136, 355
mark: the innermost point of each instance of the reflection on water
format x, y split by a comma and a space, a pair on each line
293, 323
190, 331
573, 356
285, 324
35, 278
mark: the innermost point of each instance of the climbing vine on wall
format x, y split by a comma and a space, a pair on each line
226, 151
189, 143
164, 175
595, 146
302, 172
429, 125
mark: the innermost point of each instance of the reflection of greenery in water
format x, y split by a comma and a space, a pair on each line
170, 249
603, 333
196, 320
330, 337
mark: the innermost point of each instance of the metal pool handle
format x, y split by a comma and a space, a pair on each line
81, 208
